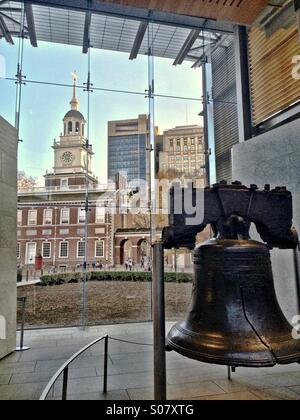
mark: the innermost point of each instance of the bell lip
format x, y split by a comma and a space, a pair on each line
218, 360
248, 244
269, 357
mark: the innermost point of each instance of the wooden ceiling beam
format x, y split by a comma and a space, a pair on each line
237, 11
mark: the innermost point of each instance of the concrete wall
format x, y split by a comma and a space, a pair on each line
274, 158
8, 237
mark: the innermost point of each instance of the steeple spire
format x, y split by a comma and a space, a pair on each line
74, 102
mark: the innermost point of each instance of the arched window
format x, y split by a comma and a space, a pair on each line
65, 129
70, 127
77, 127
82, 129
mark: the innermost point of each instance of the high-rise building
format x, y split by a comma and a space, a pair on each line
183, 151
128, 149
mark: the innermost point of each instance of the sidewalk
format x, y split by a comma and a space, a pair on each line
25, 375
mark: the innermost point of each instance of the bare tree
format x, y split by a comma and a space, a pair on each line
142, 221
26, 183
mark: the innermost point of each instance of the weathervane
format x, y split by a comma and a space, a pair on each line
74, 76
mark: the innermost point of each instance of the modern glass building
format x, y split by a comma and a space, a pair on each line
128, 149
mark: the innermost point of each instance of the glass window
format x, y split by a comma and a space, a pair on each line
81, 249
20, 213
18, 250
100, 215
63, 249
32, 217
70, 127
65, 216
46, 252
48, 216
81, 215
99, 249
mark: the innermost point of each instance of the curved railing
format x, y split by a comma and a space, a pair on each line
64, 370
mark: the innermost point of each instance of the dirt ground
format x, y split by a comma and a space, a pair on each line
108, 302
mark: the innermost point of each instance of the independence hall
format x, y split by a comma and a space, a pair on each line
52, 219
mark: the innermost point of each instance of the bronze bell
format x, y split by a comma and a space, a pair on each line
234, 317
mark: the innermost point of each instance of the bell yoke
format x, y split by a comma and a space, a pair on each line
234, 318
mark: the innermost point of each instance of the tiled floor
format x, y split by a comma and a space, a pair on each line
25, 375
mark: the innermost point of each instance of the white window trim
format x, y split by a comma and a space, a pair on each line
60, 256
103, 243
18, 250
27, 246
19, 217
50, 254
79, 242
61, 218
44, 218
79, 211
101, 216
32, 224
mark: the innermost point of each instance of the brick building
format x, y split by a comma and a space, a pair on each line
72, 208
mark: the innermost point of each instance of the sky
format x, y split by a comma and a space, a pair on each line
44, 105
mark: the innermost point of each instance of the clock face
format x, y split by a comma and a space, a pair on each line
67, 158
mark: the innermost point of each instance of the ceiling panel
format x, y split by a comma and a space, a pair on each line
67, 26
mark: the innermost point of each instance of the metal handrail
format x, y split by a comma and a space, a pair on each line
65, 370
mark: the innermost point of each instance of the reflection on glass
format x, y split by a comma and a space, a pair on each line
51, 232
88, 143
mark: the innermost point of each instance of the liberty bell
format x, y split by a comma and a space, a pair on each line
234, 318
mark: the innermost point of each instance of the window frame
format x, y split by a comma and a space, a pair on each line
61, 216
60, 248
98, 241
81, 211
50, 250
51, 218
36, 214
78, 244
103, 216
19, 218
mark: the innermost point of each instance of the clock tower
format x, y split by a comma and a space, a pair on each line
72, 157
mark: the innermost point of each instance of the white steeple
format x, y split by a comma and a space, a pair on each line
74, 102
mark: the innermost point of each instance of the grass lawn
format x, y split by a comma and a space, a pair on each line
108, 302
